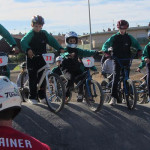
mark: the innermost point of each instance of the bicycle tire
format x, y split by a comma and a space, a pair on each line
55, 97
25, 94
64, 80
24, 89
106, 90
142, 98
141, 91
131, 98
95, 104
120, 91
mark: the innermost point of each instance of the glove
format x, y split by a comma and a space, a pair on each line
98, 53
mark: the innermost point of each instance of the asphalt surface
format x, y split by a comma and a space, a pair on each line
77, 128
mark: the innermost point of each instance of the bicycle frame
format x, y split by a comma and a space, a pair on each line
125, 71
45, 74
87, 78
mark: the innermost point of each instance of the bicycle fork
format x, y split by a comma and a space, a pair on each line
89, 87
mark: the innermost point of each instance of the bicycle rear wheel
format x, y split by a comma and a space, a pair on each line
64, 80
141, 91
106, 86
55, 93
131, 97
94, 96
25, 93
24, 89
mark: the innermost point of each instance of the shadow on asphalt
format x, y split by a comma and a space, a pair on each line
76, 127
39, 127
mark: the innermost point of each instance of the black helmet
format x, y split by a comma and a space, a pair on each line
37, 19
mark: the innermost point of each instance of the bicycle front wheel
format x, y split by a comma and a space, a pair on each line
131, 97
64, 80
106, 86
94, 96
24, 89
141, 91
55, 93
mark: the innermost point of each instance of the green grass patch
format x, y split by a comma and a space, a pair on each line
17, 68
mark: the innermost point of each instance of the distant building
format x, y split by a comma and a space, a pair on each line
98, 39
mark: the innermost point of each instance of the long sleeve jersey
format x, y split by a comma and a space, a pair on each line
146, 54
121, 45
6, 35
146, 51
36, 41
73, 64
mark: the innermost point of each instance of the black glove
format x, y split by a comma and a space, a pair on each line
97, 53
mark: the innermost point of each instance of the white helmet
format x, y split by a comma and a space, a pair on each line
70, 35
59, 58
9, 94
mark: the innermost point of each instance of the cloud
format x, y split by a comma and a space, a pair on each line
70, 14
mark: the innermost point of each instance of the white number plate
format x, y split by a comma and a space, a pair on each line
48, 57
88, 61
3, 60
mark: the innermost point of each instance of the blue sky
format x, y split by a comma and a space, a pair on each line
62, 16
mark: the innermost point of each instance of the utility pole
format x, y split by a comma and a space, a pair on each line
90, 24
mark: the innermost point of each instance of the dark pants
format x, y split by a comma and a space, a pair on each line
33, 65
71, 77
117, 71
148, 77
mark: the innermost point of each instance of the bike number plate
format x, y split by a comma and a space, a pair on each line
88, 61
48, 57
3, 60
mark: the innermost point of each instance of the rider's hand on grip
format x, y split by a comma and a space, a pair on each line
30, 54
138, 70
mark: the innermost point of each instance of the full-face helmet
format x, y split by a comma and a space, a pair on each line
69, 35
9, 94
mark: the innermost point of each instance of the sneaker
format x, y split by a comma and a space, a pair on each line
32, 101
42, 100
113, 101
79, 98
